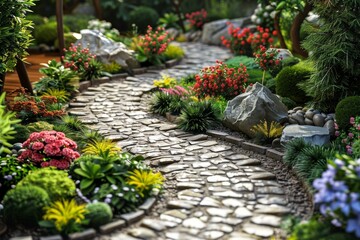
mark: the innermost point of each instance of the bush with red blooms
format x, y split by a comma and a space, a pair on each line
267, 59
30, 108
197, 19
153, 45
220, 80
262, 36
243, 42
77, 58
49, 149
240, 40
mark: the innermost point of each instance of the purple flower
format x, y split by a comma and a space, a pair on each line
353, 225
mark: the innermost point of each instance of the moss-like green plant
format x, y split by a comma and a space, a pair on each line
24, 205
40, 126
288, 80
98, 214
356, 149
346, 108
198, 117
7, 131
174, 52
143, 17
267, 132
55, 182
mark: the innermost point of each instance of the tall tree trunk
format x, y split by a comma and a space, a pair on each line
60, 27
295, 30
98, 10
278, 29
2, 82
177, 7
23, 76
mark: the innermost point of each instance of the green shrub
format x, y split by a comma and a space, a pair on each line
174, 52
24, 205
142, 17
40, 126
36, 19
247, 61
69, 39
56, 183
22, 133
198, 117
291, 61
290, 104
7, 120
76, 23
73, 123
47, 33
112, 67
160, 103
346, 108
271, 85
356, 149
288, 80
255, 75
98, 214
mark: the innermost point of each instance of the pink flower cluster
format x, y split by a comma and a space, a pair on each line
77, 58
177, 90
347, 138
49, 148
155, 42
197, 19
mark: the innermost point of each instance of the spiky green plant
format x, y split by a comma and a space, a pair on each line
7, 130
160, 103
293, 149
61, 95
267, 132
176, 105
73, 123
102, 147
198, 117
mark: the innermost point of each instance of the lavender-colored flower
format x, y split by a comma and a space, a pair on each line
107, 200
114, 187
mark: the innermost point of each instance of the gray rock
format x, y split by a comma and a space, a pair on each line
107, 50
319, 120
260, 231
309, 114
330, 125
248, 109
298, 117
309, 122
311, 134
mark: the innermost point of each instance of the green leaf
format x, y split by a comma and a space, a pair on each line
111, 179
85, 183
82, 173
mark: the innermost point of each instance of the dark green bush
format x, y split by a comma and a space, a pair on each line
346, 108
142, 17
293, 149
24, 205
36, 19
98, 214
291, 61
56, 183
47, 33
288, 79
75, 22
22, 133
356, 149
198, 117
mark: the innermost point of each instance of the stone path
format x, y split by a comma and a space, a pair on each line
212, 191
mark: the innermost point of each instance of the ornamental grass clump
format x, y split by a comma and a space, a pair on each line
49, 149
338, 193
221, 80
144, 181
266, 132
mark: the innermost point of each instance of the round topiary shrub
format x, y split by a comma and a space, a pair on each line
347, 108
143, 17
69, 39
55, 182
288, 79
98, 214
24, 205
47, 33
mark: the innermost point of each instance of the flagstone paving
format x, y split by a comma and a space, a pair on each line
212, 190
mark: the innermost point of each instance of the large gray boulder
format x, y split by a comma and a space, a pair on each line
213, 31
257, 104
106, 49
311, 134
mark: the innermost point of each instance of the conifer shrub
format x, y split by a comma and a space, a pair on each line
143, 17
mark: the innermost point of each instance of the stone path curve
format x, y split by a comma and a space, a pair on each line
211, 192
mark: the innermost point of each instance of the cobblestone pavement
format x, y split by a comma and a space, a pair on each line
212, 191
